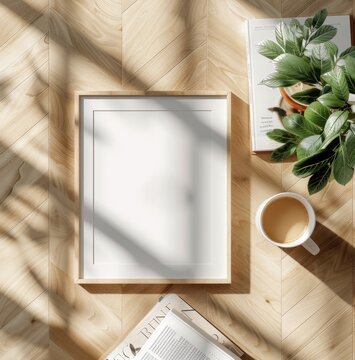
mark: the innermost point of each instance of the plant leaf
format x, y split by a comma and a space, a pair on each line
317, 114
291, 47
295, 23
297, 30
343, 173
332, 49
296, 124
308, 22
350, 51
312, 164
331, 101
282, 136
323, 34
283, 152
322, 57
337, 80
275, 80
319, 180
319, 18
350, 67
306, 96
313, 127
293, 67
334, 124
282, 34
269, 49
309, 146
306, 32
331, 144
350, 149
321, 66
326, 89
350, 80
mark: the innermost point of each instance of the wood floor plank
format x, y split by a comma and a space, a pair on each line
228, 70
23, 108
61, 188
85, 53
316, 290
126, 4
79, 48
137, 300
189, 74
97, 24
309, 283
310, 303
26, 335
256, 332
24, 260
308, 8
87, 332
335, 343
58, 353
302, 274
24, 180
182, 62
24, 40
19, 15
24, 66
151, 50
321, 321
176, 18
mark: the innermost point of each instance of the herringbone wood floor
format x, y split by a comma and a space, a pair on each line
281, 305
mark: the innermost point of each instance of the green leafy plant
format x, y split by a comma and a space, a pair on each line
322, 137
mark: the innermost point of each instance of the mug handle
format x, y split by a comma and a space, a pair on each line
311, 246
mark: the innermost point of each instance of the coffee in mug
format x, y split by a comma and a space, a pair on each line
287, 220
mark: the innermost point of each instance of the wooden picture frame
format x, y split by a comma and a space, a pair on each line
112, 117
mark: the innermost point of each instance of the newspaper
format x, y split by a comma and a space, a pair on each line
176, 338
264, 100
130, 346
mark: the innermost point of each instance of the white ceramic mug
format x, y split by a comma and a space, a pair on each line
305, 240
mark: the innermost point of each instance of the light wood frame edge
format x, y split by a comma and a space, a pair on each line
77, 194
77, 278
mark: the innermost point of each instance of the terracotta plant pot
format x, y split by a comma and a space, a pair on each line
288, 91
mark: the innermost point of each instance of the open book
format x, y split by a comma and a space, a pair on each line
130, 347
264, 100
176, 338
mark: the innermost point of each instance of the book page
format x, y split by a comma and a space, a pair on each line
176, 339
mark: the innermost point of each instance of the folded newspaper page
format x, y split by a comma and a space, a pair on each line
130, 346
176, 338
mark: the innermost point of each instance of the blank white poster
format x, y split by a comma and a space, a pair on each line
154, 184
